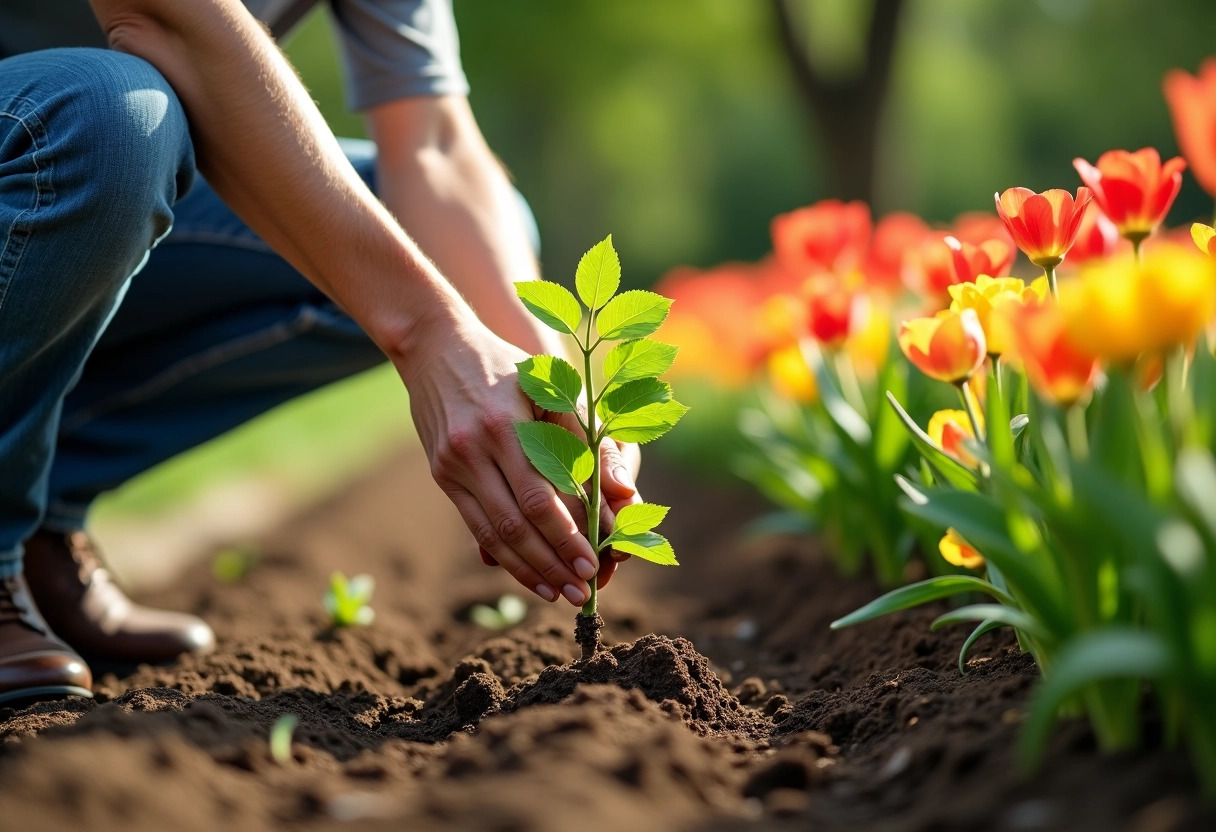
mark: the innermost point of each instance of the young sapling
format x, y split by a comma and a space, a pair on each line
629, 404
346, 600
509, 611
280, 738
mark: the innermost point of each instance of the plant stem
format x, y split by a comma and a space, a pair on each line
850, 386
1137, 241
1051, 281
593, 498
969, 405
1078, 434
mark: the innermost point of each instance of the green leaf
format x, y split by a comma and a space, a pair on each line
984, 628
637, 359
1114, 653
598, 275
647, 546
560, 456
635, 519
916, 594
631, 396
993, 612
551, 382
646, 423
632, 314
944, 465
280, 738
551, 303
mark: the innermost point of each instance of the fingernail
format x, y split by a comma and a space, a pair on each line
621, 475
546, 592
584, 568
574, 595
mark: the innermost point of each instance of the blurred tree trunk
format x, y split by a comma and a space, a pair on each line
846, 112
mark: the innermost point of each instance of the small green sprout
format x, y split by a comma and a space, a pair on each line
232, 564
630, 405
346, 601
509, 611
280, 738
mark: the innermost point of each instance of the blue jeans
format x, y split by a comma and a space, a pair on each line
114, 356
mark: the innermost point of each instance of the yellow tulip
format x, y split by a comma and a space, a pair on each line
948, 347
790, 375
1204, 237
1118, 309
999, 295
959, 552
949, 429
869, 346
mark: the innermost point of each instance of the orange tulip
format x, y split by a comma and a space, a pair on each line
991, 257
949, 429
959, 552
1192, 101
894, 236
1059, 371
1204, 237
949, 347
1097, 237
1045, 225
828, 236
1134, 189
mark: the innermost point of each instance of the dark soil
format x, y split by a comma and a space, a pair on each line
744, 712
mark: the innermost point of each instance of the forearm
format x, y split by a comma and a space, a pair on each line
438, 177
265, 149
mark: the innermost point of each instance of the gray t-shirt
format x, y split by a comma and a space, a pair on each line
391, 48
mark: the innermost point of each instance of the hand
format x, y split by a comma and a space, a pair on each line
465, 401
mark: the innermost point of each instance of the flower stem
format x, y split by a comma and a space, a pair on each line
1050, 271
1137, 242
969, 406
593, 498
1078, 433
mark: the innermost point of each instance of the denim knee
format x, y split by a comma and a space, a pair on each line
115, 136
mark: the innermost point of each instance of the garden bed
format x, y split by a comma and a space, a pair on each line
744, 712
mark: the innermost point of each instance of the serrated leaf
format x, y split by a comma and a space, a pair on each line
554, 305
635, 519
560, 456
647, 546
646, 423
633, 314
632, 396
637, 359
598, 275
551, 382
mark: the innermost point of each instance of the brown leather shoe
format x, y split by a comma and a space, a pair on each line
86, 608
33, 663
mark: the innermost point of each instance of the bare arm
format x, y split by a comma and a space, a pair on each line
266, 150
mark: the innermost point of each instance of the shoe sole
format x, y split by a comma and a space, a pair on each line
44, 693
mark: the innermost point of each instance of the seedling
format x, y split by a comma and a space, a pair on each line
509, 611
231, 565
280, 738
630, 404
346, 600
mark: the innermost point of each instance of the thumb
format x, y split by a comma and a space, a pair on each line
615, 479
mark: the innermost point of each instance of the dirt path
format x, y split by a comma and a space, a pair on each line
745, 712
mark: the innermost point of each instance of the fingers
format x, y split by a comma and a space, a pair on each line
544, 508
616, 471
510, 540
486, 557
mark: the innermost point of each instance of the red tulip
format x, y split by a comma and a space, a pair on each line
829, 236
991, 257
1057, 369
895, 236
1097, 237
1045, 225
1134, 189
1192, 101
835, 309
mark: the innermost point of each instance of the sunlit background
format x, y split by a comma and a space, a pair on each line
682, 127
